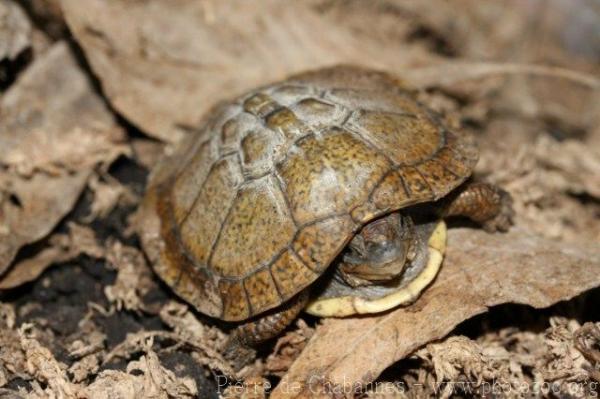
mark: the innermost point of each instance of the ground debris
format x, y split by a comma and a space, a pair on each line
288, 348
547, 178
49, 145
205, 340
108, 194
144, 378
133, 277
61, 248
506, 363
43, 367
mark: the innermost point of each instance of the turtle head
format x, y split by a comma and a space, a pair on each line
380, 251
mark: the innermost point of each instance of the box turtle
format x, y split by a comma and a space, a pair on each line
334, 180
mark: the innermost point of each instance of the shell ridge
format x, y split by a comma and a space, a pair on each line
280, 183
218, 237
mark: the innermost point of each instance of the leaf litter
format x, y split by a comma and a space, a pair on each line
101, 325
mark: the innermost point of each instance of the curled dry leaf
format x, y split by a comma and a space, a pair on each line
150, 380
545, 178
61, 248
509, 362
563, 362
22, 355
458, 363
15, 30
48, 146
134, 277
165, 83
480, 270
205, 340
12, 358
108, 194
41, 364
144, 378
288, 348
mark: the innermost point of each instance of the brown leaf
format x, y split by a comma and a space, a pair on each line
133, 277
108, 194
165, 82
61, 248
288, 348
480, 270
147, 152
49, 144
43, 366
15, 30
144, 378
42, 202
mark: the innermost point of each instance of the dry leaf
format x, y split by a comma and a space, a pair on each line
41, 364
144, 378
480, 270
49, 144
563, 359
12, 358
134, 277
48, 16
164, 83
108, 194
30, 208
61, 248
15, 30
509, 362
147, 152
288, 348
545, 178
206, 340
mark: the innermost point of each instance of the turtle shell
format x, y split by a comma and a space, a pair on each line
255, 205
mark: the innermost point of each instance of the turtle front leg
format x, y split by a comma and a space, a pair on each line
484, 203
238, 348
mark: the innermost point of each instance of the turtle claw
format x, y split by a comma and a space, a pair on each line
504, 218
238, 354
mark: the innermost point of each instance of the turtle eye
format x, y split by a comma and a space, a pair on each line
356, 249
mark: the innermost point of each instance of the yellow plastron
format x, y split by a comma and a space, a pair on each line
350, 305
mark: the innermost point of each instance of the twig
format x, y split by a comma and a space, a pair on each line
453, 72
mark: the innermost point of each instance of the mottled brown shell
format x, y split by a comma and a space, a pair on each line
255, 206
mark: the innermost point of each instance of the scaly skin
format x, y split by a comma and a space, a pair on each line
247, 335
484, 203
268, 326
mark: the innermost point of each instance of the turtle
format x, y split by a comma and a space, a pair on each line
326, 191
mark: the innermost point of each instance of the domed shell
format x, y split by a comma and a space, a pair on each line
255, 205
